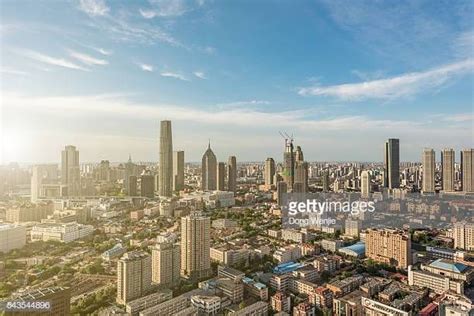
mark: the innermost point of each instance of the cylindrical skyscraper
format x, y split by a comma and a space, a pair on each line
166, 160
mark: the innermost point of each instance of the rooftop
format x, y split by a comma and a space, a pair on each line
449, 265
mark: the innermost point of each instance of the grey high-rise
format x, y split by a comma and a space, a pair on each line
429, 166
232, 173
269, 171
166, 160
447, 163
70, 172
221, 176
178, 170
209, 170
467, 170
392, 163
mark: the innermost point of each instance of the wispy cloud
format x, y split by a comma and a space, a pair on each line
165, 8
247, 103
87, 59
145, 67
200, 74
60, 62
462, 117
394, 87
174, 75
94, 7
10, 71
104, 51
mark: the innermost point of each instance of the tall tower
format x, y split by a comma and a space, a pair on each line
70, 172
429, 166
392, 163
166, 262
221, 176
289, 163
178, 170
301, 175
269, 171
209, 170
326, 181
166, 160
232, 173
133, 276
447, 162
467, 170
195, 246
365, 184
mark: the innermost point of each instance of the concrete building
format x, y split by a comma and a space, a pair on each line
63, 232
166, 262
467, 170
70, 172
11, 237
280, 302
140, 304
195, 246
232, 174
463, 233
429, 166
269, 171
41, 176
256, 309
178, 170
352, 227
437, 283
166, 160
221, 176
447, 162
392, 247
365, 184
147, 186
392, 163
209, 170
133, 276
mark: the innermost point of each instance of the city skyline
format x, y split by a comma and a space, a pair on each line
353, 74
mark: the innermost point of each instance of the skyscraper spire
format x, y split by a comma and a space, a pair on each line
209, 144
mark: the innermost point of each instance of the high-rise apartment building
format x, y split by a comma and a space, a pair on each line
325, 181
147, 188
178, 170
392, 163
269, 171
195, 246
41, 176
166, 160
389, 246
447, 163
133, 276
70, 172
429, 166
166, 262
209, 170
232, 173
221, 176
301, 175
463, 233
467, 170
365, 184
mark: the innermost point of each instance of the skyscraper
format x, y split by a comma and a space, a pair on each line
467, 170
195, 246
178, 170
221, 176
166, 262
325, 181
365, 184
429, 166
133, 276
42, 174
232, 173
269, 171
132, 186
209, 170
463, 234
299, 154
289, 164
147, 185
447, 163
70, 172
389, 246
301, 175
392, 163
166, 160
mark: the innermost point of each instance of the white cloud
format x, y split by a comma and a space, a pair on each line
11, 71
60, 62
389, 88
88, 60
147, 14
200, 74
461, 117
94, 7
145, 67
174, 75
237, 104
104, 51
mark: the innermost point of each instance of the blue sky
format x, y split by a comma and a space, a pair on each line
342, 76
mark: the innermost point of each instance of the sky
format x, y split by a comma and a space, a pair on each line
340, 76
